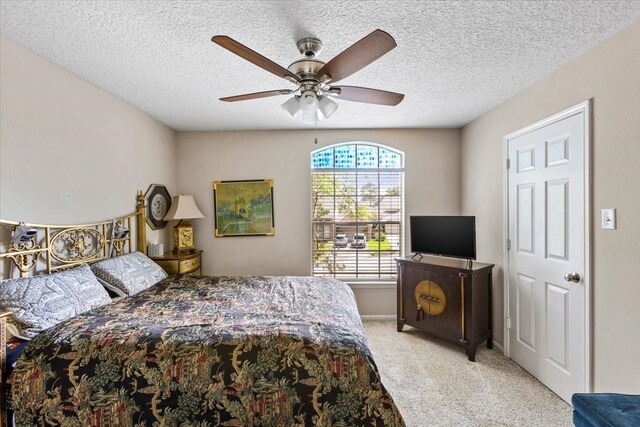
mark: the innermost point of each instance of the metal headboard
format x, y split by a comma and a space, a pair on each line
58, 247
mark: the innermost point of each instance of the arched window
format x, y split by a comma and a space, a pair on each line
357, 196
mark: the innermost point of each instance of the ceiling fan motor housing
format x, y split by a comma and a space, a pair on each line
306, 69
310, 47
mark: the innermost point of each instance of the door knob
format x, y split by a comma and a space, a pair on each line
572, 277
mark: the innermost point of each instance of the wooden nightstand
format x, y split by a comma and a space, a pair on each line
3, 364
189, 263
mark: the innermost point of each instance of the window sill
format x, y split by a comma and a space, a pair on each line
387, 284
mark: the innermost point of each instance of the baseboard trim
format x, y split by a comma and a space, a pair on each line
498, 347
366, 317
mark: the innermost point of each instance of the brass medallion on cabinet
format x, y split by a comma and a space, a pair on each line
181, 263
446, 298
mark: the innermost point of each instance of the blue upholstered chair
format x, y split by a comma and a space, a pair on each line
606, 410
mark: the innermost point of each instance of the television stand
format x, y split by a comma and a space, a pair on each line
448, 298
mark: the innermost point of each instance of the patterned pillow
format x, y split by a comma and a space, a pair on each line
128, 274
40, 302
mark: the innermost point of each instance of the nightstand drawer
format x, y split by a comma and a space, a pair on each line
189, 264
180, 263
171, 267
196, 272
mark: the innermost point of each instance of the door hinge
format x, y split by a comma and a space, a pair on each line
508, 244
508, 163
508, 322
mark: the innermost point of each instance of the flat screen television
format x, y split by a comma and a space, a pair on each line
451, 236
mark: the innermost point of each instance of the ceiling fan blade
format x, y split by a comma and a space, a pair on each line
358, 55
254, 57
365, 94
257, 95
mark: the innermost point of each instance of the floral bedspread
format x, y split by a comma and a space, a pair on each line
207, 351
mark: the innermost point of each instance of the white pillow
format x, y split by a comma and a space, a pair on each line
128, 274
40, 302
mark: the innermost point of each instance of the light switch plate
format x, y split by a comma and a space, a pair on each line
608, 219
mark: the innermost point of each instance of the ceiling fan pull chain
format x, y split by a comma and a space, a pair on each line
316, 140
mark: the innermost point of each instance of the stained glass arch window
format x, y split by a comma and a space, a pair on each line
357, 211
357, 156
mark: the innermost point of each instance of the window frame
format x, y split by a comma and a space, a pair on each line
388, 275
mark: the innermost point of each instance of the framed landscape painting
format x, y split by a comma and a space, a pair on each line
243, 208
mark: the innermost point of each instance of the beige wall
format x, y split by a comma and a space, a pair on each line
610, 76
432, 185
77, 151
70, 152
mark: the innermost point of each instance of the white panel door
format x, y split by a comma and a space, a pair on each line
546, 229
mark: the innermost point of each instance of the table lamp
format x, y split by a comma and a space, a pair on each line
183, 208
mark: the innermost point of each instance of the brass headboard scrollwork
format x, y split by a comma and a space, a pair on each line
39, 248
58, 247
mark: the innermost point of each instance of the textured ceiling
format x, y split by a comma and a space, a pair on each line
455, 59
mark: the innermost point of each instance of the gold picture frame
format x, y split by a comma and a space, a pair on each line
243, 208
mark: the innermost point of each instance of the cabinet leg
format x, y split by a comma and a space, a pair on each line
400, 324
490, 341
471, 352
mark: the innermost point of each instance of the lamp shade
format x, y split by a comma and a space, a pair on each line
183, 207
292, 107
327, 106
308, 102
310, 118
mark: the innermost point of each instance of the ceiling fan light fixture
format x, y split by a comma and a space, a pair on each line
308, 102
292, 107
327, 106
310, 118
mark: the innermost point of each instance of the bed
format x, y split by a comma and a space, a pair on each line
203, 351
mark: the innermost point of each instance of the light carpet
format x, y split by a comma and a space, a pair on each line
434, 384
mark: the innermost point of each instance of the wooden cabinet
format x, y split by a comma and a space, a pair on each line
187, 263
446, 298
